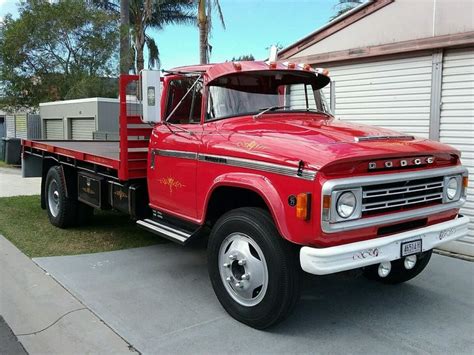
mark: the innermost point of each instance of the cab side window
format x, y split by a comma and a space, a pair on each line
189, 111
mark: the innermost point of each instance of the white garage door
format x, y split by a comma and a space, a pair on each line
53, 129
391, 93
20, 126
10, 122
457, 126
82, 128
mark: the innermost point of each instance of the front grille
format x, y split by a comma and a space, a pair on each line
402, 195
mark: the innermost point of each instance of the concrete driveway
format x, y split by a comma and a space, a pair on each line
12, 184
160, 300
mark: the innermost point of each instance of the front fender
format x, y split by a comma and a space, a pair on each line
259, 184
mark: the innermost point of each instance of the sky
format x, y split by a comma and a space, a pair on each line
251, 27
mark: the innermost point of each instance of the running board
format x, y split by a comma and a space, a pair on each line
168, 230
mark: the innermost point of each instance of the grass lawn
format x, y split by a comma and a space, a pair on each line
5, 165
25, 224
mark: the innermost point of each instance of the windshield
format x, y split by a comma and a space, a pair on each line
253, 92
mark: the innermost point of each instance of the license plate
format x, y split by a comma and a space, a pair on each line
411, 247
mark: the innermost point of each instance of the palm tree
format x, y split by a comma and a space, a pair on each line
205, 9
155, 14
150, 14
124, 36
345, 5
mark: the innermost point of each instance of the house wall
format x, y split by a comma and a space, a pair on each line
402, 20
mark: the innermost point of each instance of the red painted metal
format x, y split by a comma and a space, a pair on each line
132, 163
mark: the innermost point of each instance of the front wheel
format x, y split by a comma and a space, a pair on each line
253, 270
399, 273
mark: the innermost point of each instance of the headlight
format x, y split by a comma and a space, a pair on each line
346, 204
452, 188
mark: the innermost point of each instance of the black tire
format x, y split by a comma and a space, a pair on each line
283, 272
399, 274
55, 192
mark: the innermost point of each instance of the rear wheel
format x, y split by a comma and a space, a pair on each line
62, 210
399, 273
253, 270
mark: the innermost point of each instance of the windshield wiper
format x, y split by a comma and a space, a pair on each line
269, 109
318, 111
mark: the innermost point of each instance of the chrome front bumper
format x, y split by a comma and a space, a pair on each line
356, 255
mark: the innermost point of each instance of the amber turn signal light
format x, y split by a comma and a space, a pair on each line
465, 181
303, 206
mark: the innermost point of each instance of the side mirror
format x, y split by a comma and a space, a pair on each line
151, 95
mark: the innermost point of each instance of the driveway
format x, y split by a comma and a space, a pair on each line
12, 184
160, 300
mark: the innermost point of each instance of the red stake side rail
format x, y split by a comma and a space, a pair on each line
134, 137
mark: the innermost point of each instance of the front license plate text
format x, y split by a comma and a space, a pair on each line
411, 247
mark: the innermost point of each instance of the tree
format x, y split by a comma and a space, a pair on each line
345, 5
150, 14
155, 14
243, 58
205, 10
53, 47
124, 36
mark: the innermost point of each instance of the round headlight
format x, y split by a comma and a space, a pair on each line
452, 188
346, 204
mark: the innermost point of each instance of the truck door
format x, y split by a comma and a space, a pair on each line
174, 148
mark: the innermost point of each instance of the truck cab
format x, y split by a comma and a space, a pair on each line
249, 155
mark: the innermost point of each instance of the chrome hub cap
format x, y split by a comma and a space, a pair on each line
243, 269
53, 198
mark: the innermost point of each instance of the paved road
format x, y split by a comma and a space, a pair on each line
12, 184
9, 344
160, 300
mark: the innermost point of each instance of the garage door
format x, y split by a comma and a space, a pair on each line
457, 126
82, 128
10, 123
53, 129
20, 126
391, 93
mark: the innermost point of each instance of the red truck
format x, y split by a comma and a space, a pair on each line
248, 155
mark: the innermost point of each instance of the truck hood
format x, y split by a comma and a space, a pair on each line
308, 137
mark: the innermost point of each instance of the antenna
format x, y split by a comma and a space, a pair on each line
273, 53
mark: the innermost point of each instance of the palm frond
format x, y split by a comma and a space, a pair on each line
153, 52
217, 5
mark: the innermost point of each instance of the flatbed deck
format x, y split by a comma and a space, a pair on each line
104, 149
103, 154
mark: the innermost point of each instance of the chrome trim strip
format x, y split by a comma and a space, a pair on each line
258, 165
176, 154
348, 183
393, 217
239, 162
376, 138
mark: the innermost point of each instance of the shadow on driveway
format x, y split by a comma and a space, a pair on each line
159, 299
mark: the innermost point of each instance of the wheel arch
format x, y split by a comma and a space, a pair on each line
69, 175
235, 190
